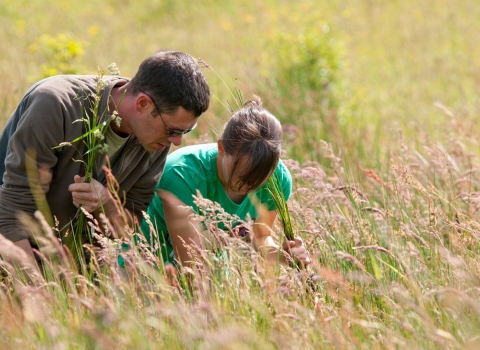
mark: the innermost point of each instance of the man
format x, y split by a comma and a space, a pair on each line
155, 108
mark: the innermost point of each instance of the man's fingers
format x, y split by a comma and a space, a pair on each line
85, 198
80, 187
89, 195
84, 187
86, 195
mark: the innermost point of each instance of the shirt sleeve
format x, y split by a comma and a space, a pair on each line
33, 134
184, 183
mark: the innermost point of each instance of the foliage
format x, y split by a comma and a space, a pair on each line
61, 52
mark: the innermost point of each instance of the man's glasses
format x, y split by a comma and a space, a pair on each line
170, 132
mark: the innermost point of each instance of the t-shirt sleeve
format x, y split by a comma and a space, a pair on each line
184, 183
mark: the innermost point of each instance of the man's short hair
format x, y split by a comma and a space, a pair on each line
173, 79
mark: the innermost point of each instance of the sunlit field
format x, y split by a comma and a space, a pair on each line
379, 104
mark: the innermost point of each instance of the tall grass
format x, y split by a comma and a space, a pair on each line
395, 266
388, 206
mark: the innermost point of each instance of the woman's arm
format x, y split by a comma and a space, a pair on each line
263, 242
184, 231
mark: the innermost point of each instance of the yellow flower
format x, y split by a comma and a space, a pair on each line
21, 25
249, 18
109, 10
226, 25
93, 30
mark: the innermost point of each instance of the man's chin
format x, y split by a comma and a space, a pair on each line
154, 148
160, 147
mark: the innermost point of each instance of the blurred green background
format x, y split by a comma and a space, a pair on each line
366, 76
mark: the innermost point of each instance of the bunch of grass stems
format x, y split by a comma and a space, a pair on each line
276, 192
93, 120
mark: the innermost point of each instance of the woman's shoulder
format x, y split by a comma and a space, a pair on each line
193, 154
188, 170
195, 158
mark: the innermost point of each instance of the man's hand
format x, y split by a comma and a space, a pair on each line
297, 250
91, 196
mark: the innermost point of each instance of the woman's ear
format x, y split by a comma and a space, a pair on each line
221, 149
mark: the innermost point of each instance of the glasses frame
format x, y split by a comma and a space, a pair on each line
170, 132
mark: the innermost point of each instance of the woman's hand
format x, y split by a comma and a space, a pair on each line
171, 275
297, 251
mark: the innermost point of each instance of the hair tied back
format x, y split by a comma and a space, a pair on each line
255, 103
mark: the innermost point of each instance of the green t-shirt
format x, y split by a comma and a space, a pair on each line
194, 168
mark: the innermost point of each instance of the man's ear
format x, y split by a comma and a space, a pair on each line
221, 149
142, 102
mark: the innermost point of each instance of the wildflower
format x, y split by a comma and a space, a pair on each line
98, 134
101, 84
95, 97
116, 118
113, 69
103, 149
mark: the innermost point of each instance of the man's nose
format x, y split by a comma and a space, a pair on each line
176, 140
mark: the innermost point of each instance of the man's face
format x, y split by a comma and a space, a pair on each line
152, 129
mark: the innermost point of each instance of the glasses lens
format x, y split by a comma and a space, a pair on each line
174, 133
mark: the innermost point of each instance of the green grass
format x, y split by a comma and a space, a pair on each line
387, 205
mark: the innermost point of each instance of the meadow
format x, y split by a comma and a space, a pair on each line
379, 103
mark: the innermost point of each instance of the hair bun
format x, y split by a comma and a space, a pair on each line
255, 103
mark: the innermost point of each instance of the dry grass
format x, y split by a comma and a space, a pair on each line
388, 204
394, 266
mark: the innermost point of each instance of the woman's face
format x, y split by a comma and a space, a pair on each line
234, 177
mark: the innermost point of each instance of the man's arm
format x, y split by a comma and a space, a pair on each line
40, 128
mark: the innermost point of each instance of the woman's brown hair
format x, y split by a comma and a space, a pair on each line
255, 134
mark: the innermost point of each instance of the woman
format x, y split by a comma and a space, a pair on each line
226, 172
